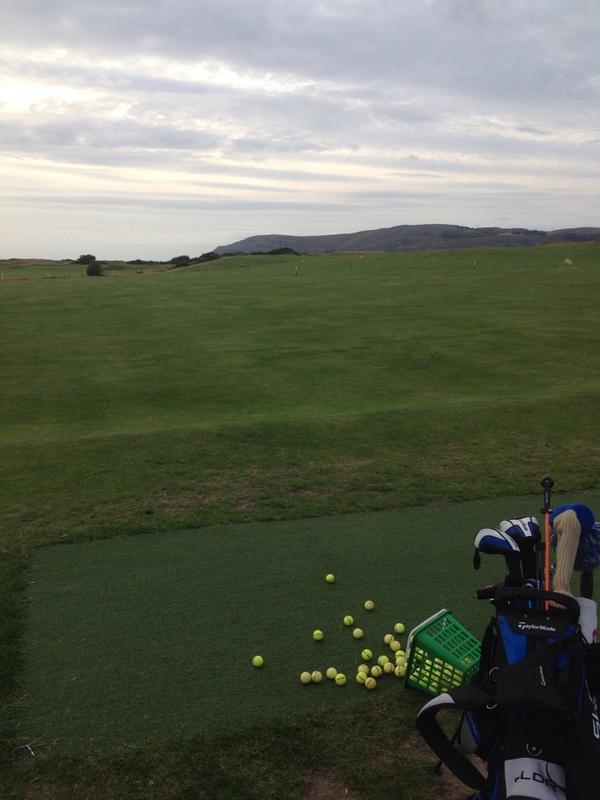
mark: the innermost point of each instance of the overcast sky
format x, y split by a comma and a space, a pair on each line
150, 128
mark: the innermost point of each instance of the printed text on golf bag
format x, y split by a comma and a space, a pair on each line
528, 711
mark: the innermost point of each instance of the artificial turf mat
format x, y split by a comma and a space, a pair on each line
145, 638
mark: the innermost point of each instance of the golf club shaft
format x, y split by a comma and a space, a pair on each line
586, 584
547, 551
547, 484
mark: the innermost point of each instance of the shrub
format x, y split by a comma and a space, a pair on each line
86, 258
283, 251
94, 268
206, 257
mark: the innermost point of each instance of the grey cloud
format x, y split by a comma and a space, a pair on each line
165, 203
106, 134
112, 79
515, 49
273, 144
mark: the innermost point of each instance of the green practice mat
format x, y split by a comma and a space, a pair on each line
146, 638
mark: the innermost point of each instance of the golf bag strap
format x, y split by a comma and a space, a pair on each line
461, 698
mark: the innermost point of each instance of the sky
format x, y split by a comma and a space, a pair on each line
153, 128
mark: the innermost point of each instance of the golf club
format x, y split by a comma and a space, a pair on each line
495, 542
568, 532
582, 554
526, 533
547, 483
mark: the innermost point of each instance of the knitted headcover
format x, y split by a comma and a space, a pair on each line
588, 550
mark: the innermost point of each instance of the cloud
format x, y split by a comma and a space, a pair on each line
89, 135
465, 46
363, 104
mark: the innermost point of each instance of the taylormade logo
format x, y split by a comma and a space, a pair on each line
531, 626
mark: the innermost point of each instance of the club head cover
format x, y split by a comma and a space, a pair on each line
527, 534
495, 542
524, 530
585, 515
588, 552
587, 557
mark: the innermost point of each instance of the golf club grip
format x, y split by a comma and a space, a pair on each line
547, 483
487, 592
511, 593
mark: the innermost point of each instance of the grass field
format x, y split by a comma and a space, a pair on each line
259, 389
147, 625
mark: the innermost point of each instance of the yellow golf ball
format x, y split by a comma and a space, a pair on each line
361, 677
305, 677
363, 668
331, 672
388, 668
366, 654
258, 661
317, 677
400, 671
348, 620
376, 671
388, 638
395, 646
340, 679
370, 683
399, 627
358, 633
382, 660
317, 635
369, 605
330, 577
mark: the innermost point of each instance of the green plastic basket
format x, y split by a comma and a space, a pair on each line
441, 653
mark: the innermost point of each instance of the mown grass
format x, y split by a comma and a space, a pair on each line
156, 633
259, 388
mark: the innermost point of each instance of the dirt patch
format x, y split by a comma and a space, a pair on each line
308, 492
323, 786
182, 501
444, 784
244, 503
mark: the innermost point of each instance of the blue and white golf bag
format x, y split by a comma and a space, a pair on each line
529, 712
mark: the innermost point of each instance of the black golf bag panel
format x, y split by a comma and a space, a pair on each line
528, 711
592, 667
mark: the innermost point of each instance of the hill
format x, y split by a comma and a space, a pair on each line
410, 237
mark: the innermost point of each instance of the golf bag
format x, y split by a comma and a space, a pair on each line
528, 711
